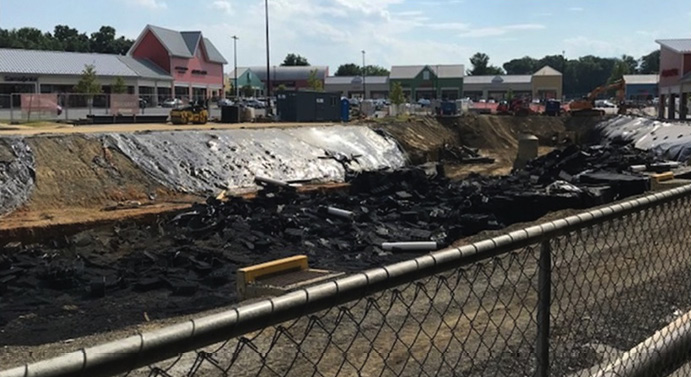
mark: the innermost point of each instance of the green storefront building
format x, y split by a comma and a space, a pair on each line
429, 81
246, 77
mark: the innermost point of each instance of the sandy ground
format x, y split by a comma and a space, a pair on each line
58, 128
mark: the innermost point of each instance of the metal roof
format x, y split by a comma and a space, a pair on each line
681, 45
292, 73
348, 80
498, 79
640, 79
172, 40
145, 68
241, 71
61, 63
442, 71
547, 71
191, 39
212, 53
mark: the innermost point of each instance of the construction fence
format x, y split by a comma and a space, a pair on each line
28, 107
601, 293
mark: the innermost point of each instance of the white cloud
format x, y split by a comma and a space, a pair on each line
575, 9
222, 5
151, 4
449, 26
498, 30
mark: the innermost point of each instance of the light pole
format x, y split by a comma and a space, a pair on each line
362, 71
269, 80
235, 66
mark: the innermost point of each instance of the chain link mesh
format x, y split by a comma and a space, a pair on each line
613, 285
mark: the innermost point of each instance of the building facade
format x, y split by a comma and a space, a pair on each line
429, 81
161, 64
546, 83
497, 87
246, 78
641, 88
289, 78
674, 78
352, 86
193, 62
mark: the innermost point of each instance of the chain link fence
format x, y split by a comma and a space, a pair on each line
584, 295
67, 107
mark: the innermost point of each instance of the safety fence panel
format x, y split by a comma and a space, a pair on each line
602, 293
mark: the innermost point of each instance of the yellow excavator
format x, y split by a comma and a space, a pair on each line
585, 106
195, 113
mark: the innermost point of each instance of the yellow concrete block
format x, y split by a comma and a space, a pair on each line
667, 176
252, 273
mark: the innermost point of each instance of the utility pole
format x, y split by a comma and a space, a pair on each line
362, 71
269, 80
235, 66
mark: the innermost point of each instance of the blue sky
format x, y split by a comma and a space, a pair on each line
332, 32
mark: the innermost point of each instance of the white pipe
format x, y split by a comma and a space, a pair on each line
410, 246
339, 212
270, 181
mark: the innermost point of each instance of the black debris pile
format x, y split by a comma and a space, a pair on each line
195, 254
463, 155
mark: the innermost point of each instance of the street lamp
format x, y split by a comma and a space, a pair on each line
235, 66
269, 80
362, 71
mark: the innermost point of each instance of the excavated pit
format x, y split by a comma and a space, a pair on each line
108, 277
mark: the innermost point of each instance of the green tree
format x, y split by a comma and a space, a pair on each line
314, 82
619, 69
480, 61
376, 70
294, 60
510, 95
281, 88
632, 64
396, 95
349, 69
65, 38
523, 66
650, 63
119, 86
87, 83
247, 91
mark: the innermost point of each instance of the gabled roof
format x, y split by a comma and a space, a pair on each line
640, 79
182, 44
680, 45
497, 79
348, 80
291, 73
212, 53
191, 39
441, 70
145, 68
241, 71
547, 71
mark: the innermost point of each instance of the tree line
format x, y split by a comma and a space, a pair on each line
65, 38
580, 76
349, 69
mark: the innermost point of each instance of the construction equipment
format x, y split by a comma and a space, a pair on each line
196, 113
553, 107
517, 106
586, 107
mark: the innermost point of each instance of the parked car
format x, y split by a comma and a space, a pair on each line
254, 103
172, 102
225, 102
424, 102
603, 103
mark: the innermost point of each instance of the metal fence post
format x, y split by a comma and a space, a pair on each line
543, 312
11, 108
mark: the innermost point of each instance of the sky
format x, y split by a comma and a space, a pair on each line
392, 32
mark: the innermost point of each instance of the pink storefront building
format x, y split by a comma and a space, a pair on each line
674, 78
194, 64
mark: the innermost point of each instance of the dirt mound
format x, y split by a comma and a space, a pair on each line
420, 137
82, 172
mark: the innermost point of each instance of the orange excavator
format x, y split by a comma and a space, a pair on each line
585, 106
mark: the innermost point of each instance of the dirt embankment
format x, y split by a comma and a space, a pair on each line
421, 138
77, 179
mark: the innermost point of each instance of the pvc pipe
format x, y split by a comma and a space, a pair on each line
410, 246
638, 168
270, 181
339, 212
654, 352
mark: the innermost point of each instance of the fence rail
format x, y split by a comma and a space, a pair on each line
565, 298
26, 107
